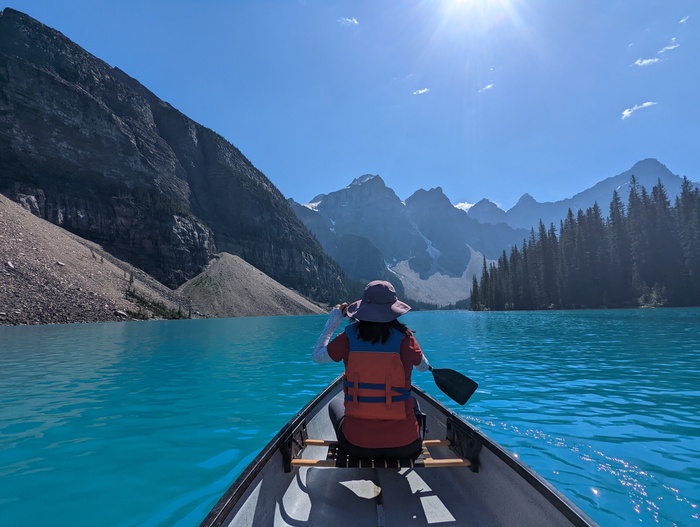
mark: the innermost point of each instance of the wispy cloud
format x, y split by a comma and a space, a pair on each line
421, 91
487, 87
684, 19
672, 45
626, 114
645, 62
648, 62
349, 22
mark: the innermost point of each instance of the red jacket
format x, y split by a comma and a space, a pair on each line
362, 427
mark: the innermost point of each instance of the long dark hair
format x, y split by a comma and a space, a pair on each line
375, 331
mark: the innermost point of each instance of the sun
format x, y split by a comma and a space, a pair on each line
479, 4
480, 13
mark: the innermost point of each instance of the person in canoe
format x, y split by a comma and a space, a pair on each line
378, 418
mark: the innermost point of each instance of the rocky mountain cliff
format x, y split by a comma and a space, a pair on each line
425, 246
528, 212
90, 149
51, 276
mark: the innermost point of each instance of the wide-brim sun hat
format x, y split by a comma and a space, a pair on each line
379, 303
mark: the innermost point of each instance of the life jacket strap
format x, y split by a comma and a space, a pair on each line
404, 393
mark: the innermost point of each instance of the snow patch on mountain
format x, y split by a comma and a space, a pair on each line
362, 179
464, 206
433, 251
439, 289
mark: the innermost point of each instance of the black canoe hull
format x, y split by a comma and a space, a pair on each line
499, 491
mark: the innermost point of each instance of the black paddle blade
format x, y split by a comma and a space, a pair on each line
456, 386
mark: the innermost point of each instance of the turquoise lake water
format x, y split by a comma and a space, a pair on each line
148, 423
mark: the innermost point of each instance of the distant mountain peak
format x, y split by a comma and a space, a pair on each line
317, 199
433, 197
374, 178
486, 211
486, 204
526, 198
648, 163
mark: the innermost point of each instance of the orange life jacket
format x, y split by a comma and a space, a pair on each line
375, 379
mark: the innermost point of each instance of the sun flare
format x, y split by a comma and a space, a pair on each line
481, 13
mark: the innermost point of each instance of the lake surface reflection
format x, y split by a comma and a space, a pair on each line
148, 423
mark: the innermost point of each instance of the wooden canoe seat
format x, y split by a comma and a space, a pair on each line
339, 459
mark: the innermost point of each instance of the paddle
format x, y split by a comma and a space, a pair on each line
456, 386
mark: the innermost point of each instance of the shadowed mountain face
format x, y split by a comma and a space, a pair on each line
425, 244
90, 149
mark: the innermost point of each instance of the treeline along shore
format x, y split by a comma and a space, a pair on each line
646, 254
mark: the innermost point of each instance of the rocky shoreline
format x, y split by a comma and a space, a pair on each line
50, 276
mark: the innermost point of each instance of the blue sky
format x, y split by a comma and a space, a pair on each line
484, 98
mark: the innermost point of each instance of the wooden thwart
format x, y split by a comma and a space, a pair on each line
337, 458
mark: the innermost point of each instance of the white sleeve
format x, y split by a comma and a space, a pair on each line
424, 364
320, 353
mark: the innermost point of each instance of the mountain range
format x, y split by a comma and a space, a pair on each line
425, 246
91, 150
528, 212
431, 249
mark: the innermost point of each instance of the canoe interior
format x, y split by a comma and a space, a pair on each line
503, 492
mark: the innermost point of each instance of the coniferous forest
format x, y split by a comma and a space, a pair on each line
644, 254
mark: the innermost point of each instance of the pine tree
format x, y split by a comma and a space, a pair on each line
550, 263
475, 300
594, 239
649, 255
638, 229
667, 265
619, 282
516, 278
688, 216
484, 289
568, 259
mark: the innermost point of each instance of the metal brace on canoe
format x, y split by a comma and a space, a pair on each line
293, 445
460, 440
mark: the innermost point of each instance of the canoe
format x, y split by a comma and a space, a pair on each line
461, 478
